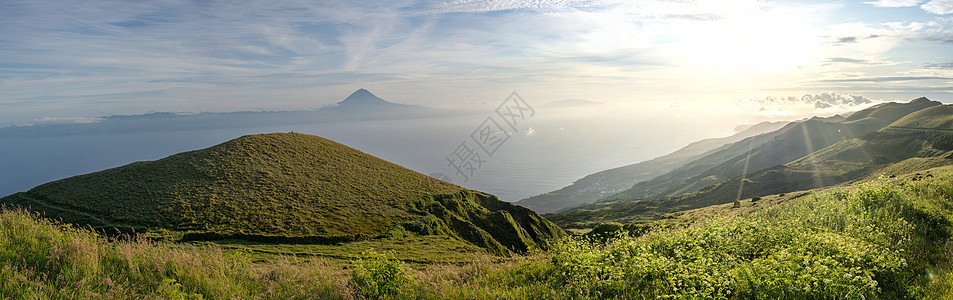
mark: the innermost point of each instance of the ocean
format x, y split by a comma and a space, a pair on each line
542, 153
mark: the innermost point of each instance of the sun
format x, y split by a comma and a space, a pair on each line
753, 42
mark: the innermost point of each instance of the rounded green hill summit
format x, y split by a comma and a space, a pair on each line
937, 117
279, 186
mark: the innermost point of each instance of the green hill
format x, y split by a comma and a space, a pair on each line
602, 184
937, 117
786, 145
887, 151
284, 187
888, 112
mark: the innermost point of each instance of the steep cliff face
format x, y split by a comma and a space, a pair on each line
484, 220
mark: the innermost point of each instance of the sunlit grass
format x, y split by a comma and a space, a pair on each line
879, 240
41, 259
887, 239
271, 186
284, 188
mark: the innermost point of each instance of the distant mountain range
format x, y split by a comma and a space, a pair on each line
609, 182
779, 147
360, 105
284, 187
892, 138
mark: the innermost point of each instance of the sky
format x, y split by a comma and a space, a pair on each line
74, 60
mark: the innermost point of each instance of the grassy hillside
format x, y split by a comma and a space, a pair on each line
278, 187
690, 169
889, 112
789, 144
938, 117
884, 239
886, 151
606, 183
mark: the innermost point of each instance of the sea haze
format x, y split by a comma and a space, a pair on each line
547, 151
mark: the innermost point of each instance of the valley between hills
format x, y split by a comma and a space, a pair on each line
856, 206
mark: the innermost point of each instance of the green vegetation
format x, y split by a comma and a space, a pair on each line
761, 152
883, 239
380, 276
606, 183
886, 239
256, 217
286, 188
40, 259
483, 220
887, 150
272, 184
937, 117
414, 250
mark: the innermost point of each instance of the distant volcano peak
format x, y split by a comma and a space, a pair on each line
362, 97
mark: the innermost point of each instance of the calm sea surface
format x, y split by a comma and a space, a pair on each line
545, 153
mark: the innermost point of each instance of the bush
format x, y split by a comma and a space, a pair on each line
380, 276
605, 230
871, 241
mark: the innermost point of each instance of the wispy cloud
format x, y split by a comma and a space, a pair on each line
53, 121
847, 39
849, 61
895, 3
457, 6
946, 66
939, 7
887, 79
63, 59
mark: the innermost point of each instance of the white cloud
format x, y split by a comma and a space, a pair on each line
826, 99
894, 3
807, 105
833, 99
228, 55
939, 7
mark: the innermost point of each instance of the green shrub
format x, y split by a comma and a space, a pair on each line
169, 289
871, 241
380, 276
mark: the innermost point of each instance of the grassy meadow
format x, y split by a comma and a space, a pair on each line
888, 238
